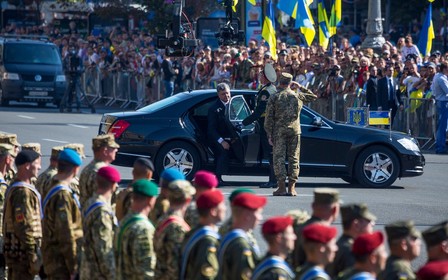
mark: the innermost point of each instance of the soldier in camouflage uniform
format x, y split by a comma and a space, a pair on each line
22, 230
10, 139
162, 203
282, 124
104, 150
404, 244
143, 169
99, 225
436, 241
199, 254
238, 255
62, 223
279, 234
171, 230
134, 251
202, 181
43, 182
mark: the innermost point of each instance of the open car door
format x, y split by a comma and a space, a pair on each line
246, 139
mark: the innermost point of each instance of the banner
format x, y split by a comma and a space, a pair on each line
254, 15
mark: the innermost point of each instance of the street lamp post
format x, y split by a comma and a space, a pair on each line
374, 39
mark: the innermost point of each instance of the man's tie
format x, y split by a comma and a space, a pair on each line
391, 90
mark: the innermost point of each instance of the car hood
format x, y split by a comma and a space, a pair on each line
373, 130
33, 68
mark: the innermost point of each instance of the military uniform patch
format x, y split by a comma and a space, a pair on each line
208, 271
20, 218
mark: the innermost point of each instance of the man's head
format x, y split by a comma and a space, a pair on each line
285, 80
436, 239
28, 164
357, 219
11, 139
105, 148
404, 239
247, 209
69, 161
107, 179
223, 90
435, 270
319, 243
143, 169
7, 156
268, 74
369, 251
166, 177
32, 146
326, 204
180, 192
204, 180
211, 205
144, 194
279, 234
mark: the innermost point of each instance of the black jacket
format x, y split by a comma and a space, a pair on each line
217, 127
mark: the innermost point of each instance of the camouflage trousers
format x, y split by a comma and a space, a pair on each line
286, 143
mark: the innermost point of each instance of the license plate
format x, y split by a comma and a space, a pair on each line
38, 93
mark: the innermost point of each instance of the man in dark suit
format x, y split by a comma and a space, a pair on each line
388, 93
218, 131
372, 89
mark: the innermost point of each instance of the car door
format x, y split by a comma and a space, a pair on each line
246, 139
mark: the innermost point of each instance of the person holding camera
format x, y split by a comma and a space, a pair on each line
73, 67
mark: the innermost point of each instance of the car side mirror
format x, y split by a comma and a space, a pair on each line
317, 121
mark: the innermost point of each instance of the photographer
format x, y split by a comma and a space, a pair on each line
73, 68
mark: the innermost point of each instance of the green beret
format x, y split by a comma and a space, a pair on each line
238, 191
401, 229
145, 187
436, 234
326, 196
351, 212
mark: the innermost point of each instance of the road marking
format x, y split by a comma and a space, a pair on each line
57, 141
26, 117
77, 125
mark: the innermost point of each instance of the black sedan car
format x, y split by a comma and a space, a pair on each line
173, 133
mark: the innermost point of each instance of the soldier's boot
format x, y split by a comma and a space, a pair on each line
281, 189
292, 189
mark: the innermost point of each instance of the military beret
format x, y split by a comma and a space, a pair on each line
26, 156
351, 212
367, 243
436, 234
7, 149
78, 147
209, 199
145, 187
238, 191
9, 138
32, 146
433, 270
326, 195
70, 156
109, 173
205, 179
146, 162
180, 189
171, 174
106, 140
249, 201
55, 152
319, 233
401, 229
276, 225
285, 78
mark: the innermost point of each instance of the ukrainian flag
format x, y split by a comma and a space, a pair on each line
235, 2
336, 16
252, 2
379, 118
324, 34
289, 7
268, 32
427, 33
305, 21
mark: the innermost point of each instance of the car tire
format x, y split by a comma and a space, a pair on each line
180, 155
377, 166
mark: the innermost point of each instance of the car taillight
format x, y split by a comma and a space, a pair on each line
118, 128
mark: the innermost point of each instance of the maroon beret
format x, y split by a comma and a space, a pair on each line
367, 243
205, 179
319, 233
249, 200
433, 270
109, 173
276, 225
209, 199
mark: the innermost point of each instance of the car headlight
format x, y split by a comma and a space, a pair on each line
10, 76
60, 78
408, 144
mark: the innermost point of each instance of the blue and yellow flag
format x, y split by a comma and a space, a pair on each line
289, 7
252, 2
304, 20
268, 32
427, 33
235, 2
379, 118
335, 17
324, 33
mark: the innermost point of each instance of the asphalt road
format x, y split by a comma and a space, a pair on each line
422, 199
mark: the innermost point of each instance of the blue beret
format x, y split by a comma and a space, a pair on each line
172, 174
70, 156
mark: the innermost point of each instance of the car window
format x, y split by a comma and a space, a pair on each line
32, 54
164, 103
202, 110
238, 109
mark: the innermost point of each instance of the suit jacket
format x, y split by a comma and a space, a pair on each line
383, 93
372, 93
217, 127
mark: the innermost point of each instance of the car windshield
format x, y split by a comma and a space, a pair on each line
31, 54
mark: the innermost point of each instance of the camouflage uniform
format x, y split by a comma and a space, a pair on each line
63, 233
397, 268
202, 262
99, 225
160, 209
123, 203
134, 251
43, 182
226, 226
87, 180
273, 272
298, 256
168, 240
322, 275
22, 231
344, 257
192, 215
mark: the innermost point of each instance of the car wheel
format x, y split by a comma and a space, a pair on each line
350, 180
377, 166
179, 155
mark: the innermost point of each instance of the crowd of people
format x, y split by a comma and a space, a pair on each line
62, 226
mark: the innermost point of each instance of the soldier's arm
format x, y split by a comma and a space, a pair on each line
144, 256
103, 235
173, 246
206, 261
262, 101
243, 259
